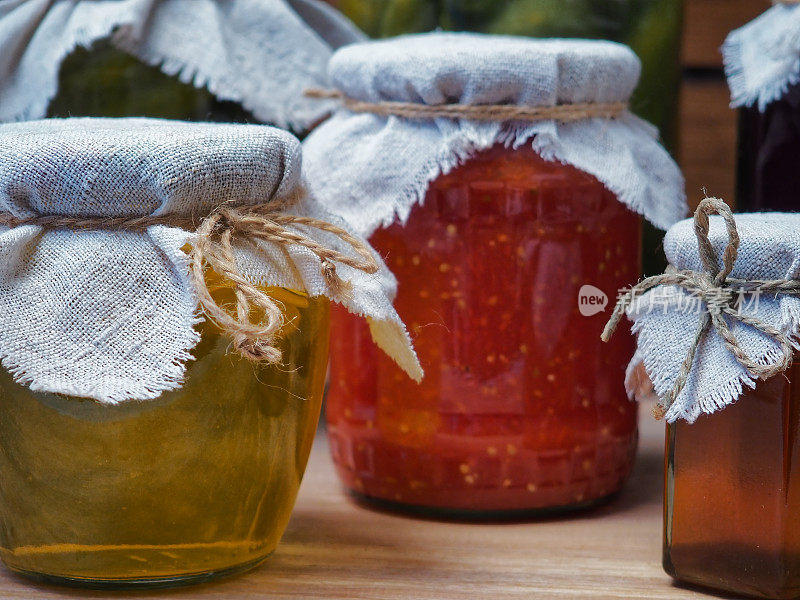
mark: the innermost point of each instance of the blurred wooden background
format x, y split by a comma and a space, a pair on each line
708, 126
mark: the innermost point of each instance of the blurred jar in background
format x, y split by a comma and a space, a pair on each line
106, 82
241, 63
769, 144
761, 64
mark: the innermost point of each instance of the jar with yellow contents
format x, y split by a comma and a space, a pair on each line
165, 297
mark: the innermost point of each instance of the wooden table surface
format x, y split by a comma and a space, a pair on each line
336, 549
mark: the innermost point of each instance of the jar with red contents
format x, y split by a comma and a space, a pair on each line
507, 243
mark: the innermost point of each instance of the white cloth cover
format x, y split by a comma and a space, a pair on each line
260, 53
762, 59
110, 315
373, 169
665, 326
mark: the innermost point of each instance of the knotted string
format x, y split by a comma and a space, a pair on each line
476, 112
719, 292
212, 246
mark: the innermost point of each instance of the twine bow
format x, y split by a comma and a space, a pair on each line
719, 292
212, 246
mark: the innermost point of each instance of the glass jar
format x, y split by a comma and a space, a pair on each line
522, 407
104, 81
195, 484
731, 519
767, 175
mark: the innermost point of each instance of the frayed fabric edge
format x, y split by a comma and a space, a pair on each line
736, 74
710, 402
222, 88
459, 150
122, 37
174, 374
37, 107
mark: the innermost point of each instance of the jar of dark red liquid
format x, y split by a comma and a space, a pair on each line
732, 476
761, 62
506, 253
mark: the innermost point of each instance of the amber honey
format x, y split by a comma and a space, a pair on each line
732, 509
198, 482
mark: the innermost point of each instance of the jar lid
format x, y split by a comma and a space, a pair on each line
99, 296
769, 245
472, 68
567, 99
730, 304
117, 167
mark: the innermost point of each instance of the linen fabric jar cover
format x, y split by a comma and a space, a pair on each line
261, 54
666, 318
110, 314
762, 58
373, 168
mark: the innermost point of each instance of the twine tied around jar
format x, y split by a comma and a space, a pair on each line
719, 292
475, 112
212, 246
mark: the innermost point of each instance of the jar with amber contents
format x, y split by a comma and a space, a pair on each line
731, 518
150, 435
505, 252
730, 514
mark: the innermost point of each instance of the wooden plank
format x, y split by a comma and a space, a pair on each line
335, 549
708, 140
707, 22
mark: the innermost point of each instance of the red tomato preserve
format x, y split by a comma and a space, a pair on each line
522, 408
